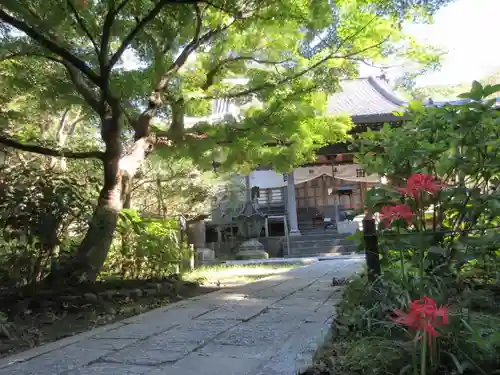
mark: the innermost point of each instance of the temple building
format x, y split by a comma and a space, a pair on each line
334, 184
300, 206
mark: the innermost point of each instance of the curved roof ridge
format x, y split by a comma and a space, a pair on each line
384, 91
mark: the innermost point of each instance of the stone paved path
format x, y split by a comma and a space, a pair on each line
270, 327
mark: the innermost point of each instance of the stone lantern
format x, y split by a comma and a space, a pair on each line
250, 223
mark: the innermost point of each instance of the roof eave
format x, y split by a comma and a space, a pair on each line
375, 118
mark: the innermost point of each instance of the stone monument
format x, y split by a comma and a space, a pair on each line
196, 234
250, 223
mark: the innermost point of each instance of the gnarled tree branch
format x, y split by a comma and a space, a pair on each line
51, 46
303, 72
141, 24
141, 126
80, 22
106, 33
82, 87
51, 152
213, 72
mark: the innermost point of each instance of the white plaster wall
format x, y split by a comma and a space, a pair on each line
266, 179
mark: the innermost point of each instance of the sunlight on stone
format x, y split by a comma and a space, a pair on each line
234, 297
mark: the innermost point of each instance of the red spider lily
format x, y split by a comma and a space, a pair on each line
424, 315
421, 182
400, 211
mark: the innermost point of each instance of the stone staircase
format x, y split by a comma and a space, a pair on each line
316, 241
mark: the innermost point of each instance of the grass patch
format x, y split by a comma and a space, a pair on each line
225, 275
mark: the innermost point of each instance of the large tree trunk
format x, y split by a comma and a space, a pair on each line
119, 169
86, 264
118, 172
94, 248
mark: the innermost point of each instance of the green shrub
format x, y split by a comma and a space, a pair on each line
145, 248
367, 341
42, 212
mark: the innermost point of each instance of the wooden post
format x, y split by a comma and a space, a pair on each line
371, 248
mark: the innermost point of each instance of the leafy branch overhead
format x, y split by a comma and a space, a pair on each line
144, 73
146, 61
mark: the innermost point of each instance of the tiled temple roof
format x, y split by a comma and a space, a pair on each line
369, 101
366, 100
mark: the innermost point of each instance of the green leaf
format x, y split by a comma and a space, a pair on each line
476, 92
406, 369
416, 106
398, 113
490, 102
490, 89
460, 368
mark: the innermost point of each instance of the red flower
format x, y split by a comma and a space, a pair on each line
400, 211
424, 315
419, 183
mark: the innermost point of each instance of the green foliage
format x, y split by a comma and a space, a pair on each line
366, 341
18, 262
44, 213
6, 328
448, 251
458, 144
291, 55
145, 248
173, 186
42, 210
152, 65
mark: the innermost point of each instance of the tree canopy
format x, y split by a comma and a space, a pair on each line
174, 57
135, 71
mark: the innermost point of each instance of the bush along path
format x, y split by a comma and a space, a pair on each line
272, 326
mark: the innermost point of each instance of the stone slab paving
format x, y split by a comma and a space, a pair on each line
272, 326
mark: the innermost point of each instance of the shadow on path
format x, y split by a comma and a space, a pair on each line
272, 326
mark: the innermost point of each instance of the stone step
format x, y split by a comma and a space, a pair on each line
319, 243
323, 255
332, 231
322, 249
322, 234
308, 224
318, 236
321, 228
